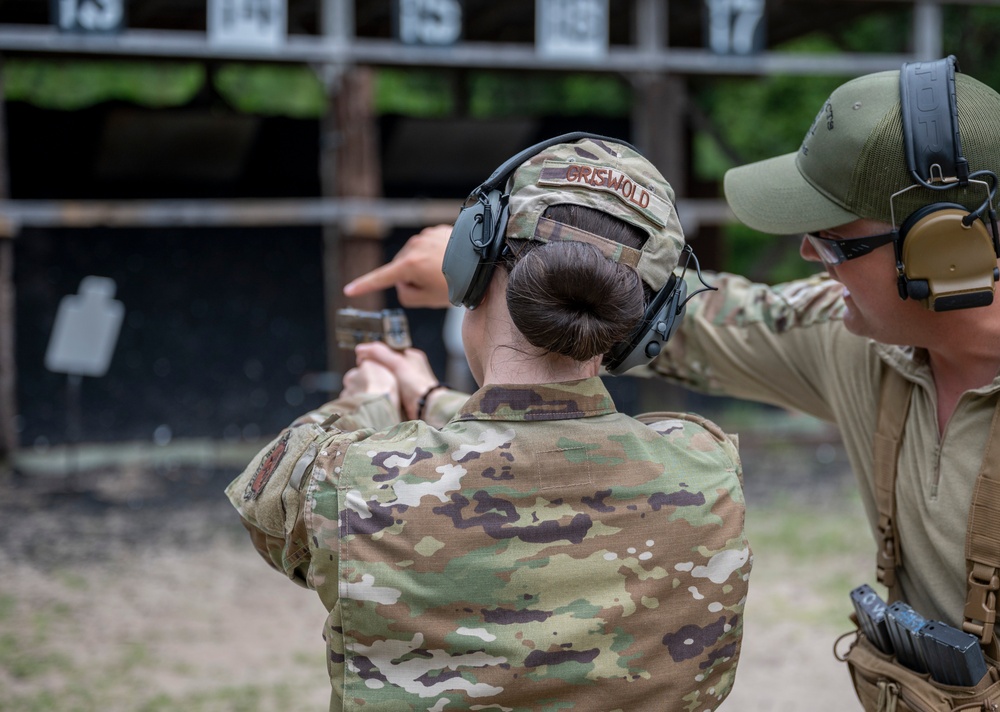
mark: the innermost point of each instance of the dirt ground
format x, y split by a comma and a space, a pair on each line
135, 589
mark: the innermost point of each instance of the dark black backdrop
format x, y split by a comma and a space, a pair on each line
224, 329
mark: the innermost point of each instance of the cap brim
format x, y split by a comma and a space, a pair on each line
773, 197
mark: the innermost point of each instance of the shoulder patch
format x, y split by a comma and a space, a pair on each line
268, 464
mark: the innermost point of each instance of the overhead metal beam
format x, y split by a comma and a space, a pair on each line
367, 217
345, 50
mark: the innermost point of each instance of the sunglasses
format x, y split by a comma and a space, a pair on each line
833, 251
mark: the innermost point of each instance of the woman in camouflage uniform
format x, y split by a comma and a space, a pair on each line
527, 547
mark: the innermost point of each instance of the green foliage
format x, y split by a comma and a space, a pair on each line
76, 84
767, 258
272, 89
413, 92
519, 94
432, 93
761, 117
970, 34
756, 119
285, 89
878, 32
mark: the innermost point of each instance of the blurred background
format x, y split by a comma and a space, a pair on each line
225, 166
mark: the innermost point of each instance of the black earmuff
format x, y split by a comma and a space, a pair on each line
477, 238
662, 317
946, 255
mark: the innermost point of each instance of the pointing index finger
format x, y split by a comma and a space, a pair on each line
379, 278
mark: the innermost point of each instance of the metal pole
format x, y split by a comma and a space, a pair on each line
927, 30
73, 424
8, 364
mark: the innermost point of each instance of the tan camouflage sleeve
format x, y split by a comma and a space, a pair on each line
729, 442
354, 413
755, 341
443, 407
269, 493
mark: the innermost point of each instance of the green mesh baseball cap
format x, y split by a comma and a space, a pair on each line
851, 162
606, 176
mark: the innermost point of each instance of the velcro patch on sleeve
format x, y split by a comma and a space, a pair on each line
267, 467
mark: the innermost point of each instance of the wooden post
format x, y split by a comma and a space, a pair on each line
659, 126
660, 130
350, 168
8, 368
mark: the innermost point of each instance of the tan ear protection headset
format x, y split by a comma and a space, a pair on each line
946, 256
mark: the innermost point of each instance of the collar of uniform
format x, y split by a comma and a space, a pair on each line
542, 401
908, 360
914, 365
911, 362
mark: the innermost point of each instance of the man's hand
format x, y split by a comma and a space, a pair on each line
370, 378
415, 271
410, 369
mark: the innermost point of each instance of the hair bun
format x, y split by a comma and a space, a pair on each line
568, 298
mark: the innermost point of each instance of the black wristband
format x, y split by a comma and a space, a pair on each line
422, 400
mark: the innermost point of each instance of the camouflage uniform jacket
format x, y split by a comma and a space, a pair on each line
787, 345
540, 552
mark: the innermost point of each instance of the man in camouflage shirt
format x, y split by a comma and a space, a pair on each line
535, 550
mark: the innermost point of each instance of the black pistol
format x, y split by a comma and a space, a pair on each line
354, 326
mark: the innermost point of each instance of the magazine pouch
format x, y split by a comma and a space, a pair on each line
884, 685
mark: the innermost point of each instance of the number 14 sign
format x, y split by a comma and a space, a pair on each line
88, 16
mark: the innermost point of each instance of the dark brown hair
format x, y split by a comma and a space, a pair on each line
567, 297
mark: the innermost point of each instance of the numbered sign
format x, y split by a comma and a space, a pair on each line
86, 329
89, 16
428, 22
257, 23
572, 28
734, 26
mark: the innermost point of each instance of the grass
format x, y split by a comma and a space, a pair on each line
807, 560
223, 699
51, 660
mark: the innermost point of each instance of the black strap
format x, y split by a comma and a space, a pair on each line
930, 122
982, 545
